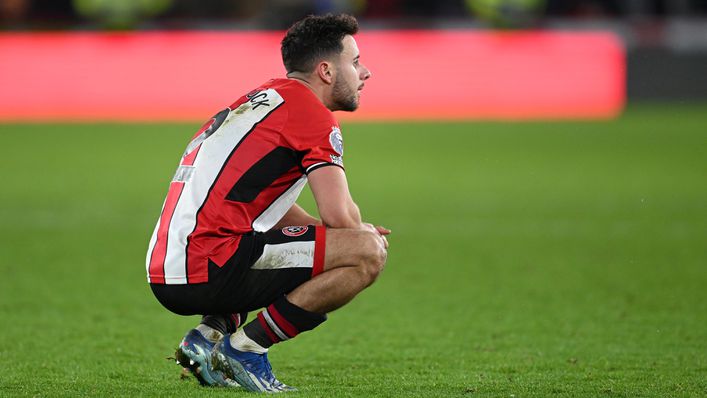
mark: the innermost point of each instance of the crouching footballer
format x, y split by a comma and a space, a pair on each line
231, 239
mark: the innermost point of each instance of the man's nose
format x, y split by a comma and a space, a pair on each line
366, 73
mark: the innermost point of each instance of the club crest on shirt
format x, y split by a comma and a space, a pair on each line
295, 231
336, 141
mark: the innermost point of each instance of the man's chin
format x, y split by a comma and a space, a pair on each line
355, 103
349, 107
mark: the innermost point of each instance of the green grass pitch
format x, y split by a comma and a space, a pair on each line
527, 260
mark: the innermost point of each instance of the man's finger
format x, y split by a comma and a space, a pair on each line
382, 230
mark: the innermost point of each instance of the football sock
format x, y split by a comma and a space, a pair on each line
242, 342
223, 324
280, 321
209, 333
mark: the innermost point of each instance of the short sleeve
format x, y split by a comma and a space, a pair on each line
323, 149
311, 130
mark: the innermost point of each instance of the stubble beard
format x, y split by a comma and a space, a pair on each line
344, 98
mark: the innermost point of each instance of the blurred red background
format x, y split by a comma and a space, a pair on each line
417, 74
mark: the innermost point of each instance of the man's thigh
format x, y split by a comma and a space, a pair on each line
265, 267
275, 263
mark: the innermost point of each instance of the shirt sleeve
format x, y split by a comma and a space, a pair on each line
324, 146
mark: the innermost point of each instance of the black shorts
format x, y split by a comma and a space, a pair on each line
265, 267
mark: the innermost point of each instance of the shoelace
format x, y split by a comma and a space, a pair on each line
267, 362
260, 365
274, 382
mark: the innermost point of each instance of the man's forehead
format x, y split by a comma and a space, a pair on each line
350, 46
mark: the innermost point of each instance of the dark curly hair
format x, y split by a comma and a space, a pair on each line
315, 38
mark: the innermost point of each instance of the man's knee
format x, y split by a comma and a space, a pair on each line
361, 249
372, 256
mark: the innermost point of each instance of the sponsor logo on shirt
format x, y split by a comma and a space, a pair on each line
295, 231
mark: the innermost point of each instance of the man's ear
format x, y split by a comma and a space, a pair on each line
325, 71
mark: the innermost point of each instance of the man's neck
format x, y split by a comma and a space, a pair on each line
305, 80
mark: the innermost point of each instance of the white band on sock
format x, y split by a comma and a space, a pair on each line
242, 342
209, 333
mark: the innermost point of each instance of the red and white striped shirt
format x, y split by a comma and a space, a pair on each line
241, 172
